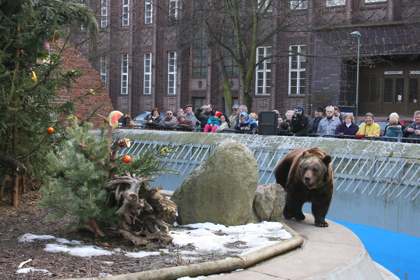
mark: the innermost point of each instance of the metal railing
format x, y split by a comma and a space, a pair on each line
372, 176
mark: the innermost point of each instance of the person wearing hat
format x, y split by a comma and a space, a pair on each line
246, 124
213, 122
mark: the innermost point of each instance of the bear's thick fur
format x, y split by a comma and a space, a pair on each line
307, 176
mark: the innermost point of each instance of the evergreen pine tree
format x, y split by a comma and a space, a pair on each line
77, 173
80, 168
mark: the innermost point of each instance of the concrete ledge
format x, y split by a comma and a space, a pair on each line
332, 253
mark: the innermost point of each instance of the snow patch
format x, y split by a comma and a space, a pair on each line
81, 251
192, 278
32, 270
141, 254
208, 237
29, 237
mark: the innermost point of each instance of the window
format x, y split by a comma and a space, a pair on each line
171, 73
263, 71
104, 13
124, 74
297, 69
147, 74
125, 18
173, 9
265, 6
199, 55
374, 1
413, 90
148, 11
103, 69
298, 4
333, 3
230, 66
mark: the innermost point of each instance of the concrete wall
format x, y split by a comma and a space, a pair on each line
353, 201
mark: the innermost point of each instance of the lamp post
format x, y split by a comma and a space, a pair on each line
358, 36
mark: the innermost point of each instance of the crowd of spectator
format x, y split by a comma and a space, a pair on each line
326, 122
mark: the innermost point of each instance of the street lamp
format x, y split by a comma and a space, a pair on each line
358, 35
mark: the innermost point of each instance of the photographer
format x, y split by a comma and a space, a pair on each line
300, 123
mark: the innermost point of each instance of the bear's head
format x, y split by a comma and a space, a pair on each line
313, 168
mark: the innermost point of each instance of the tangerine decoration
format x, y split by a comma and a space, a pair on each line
50, 130
126, 159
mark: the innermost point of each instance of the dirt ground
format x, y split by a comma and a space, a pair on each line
28, 218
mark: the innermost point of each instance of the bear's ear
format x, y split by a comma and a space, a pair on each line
327, 160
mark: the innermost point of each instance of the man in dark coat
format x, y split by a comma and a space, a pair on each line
300, 123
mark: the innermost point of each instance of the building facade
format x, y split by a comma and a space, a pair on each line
143, 62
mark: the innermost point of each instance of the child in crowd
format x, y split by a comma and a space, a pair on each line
224, 124
213, 123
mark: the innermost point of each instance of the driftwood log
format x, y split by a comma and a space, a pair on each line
145, 214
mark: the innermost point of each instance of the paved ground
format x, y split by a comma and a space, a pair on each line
328, 253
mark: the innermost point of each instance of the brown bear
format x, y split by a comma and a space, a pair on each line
307, 176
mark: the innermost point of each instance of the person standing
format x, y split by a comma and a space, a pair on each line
393, 128
369, 128
328, 125
234, 116
413, 130
169, 121
348, 127
318, 115
300, 122
189, 115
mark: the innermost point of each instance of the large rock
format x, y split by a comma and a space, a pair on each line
222, 189
269, 202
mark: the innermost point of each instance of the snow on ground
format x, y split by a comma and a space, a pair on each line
141, 254
79, 251
205, 237
208, 237
29, 237
192, 278
32, 270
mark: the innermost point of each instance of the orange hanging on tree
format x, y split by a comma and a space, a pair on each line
50, 130
126, 159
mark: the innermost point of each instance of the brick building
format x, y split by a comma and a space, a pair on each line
140, 59
93, 107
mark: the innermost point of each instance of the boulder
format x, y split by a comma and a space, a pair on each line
222, 189
269, 202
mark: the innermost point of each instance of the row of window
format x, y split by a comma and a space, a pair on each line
147, 73
125, 12
265, 5
263, 76
174, 7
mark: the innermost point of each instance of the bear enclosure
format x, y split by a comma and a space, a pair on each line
375, 183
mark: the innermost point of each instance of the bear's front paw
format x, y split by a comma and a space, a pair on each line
299, 217
287, 216
321, 224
